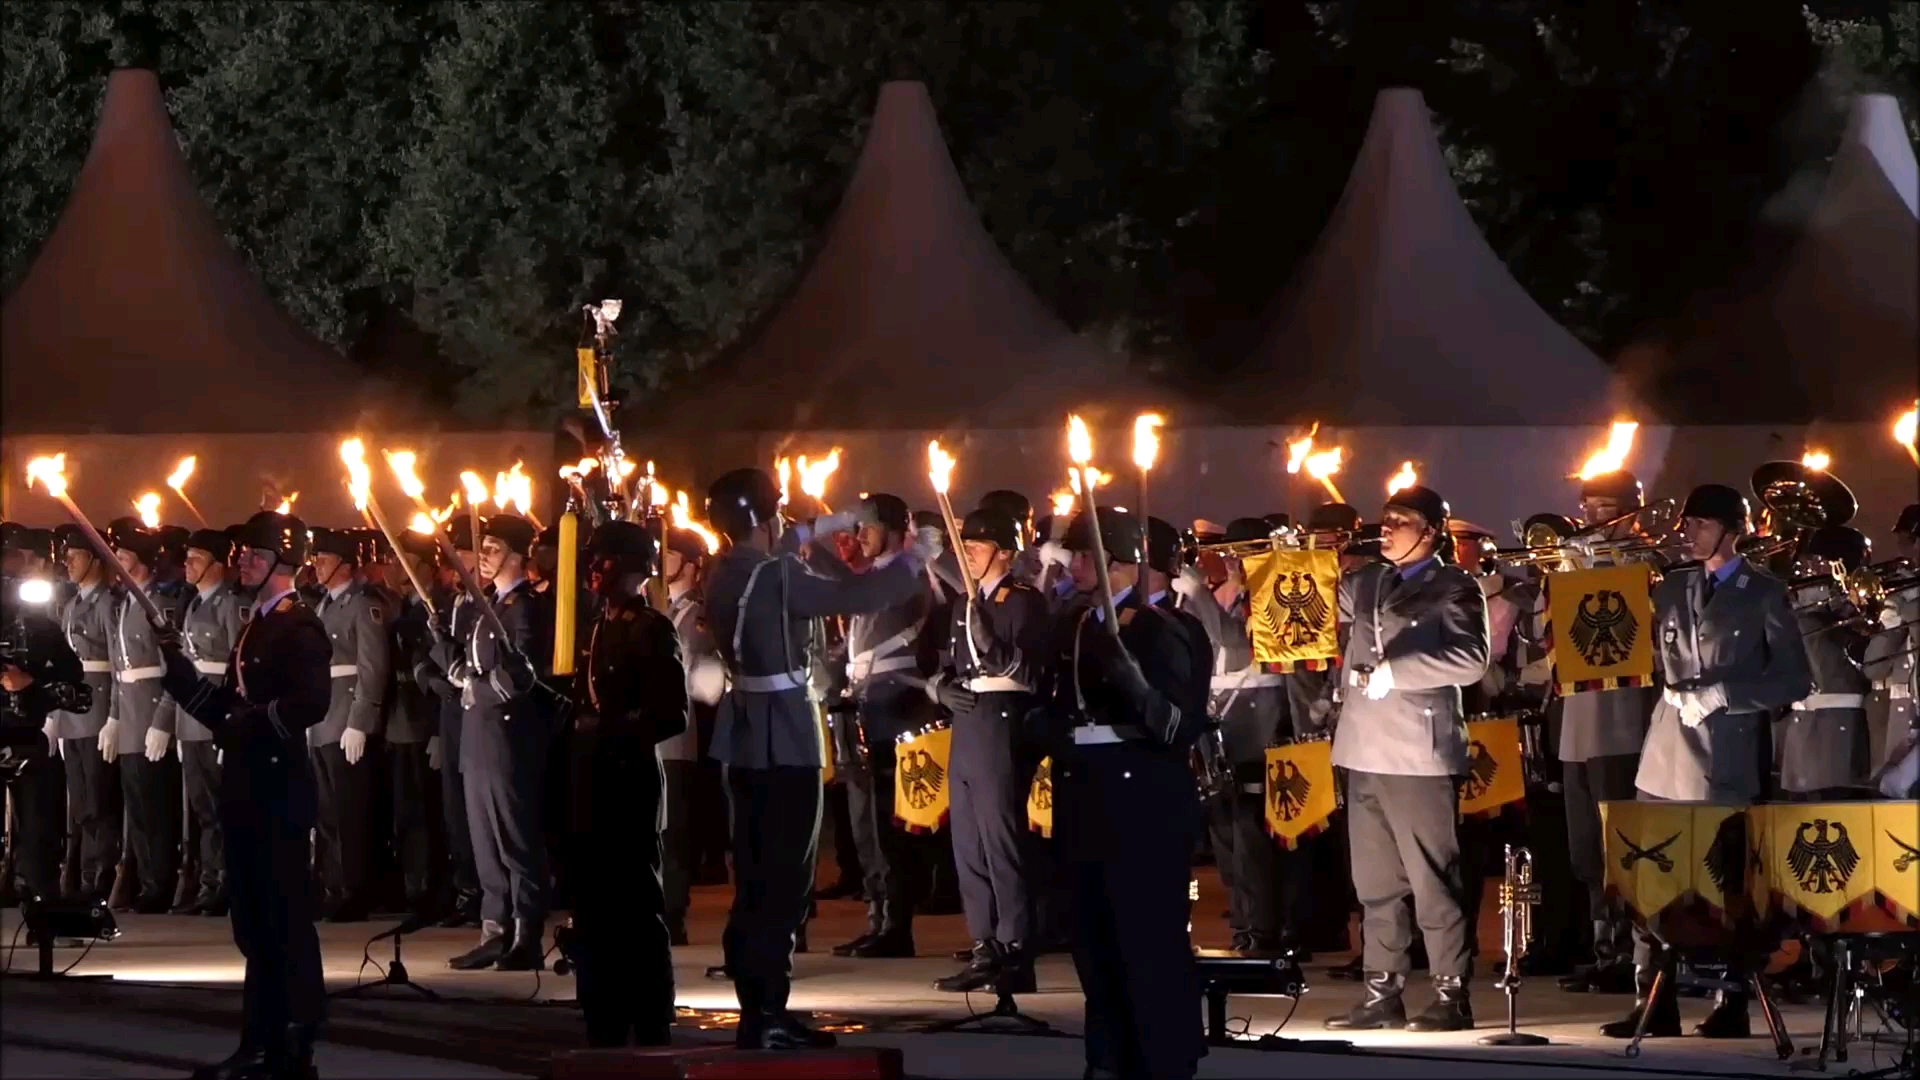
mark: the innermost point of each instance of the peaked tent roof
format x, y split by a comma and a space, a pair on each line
1403, 314
908, 317
1833, 332
136, 304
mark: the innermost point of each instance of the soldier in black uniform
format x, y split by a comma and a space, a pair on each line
275, 688
451, 635
414, 761
1129, 707
632, 694
997, 645
40, 673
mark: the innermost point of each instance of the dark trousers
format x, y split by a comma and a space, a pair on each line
464, 878
1587, 784
200, 772
1268, 887
626, 963
892, 860
153, 821
678, 852
346, 821
1404, 843
93, 811
776, 834
416, 819
273, 912
505, 810
39, 825
837, 822
991, 779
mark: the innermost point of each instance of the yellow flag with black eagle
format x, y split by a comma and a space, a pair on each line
1300, 793
1601, 623
920, 793
1292, 606
1496, 768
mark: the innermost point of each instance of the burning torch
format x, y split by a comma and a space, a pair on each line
1146, 448
1080, 450
940, 474
353, 453
52, 474
177, 480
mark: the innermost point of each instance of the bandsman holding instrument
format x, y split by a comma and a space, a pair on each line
1728, 653
214, 615
93, 783
356, 620
1822, 738
139, 729
1417, 633
1892, 663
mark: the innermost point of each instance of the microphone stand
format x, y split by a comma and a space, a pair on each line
396, 971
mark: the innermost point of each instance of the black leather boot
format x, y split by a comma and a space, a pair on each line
298, 1064
1450, 1011
249, 1060
1351, 971
778, 1029
528, 952
1381, 1008
494, 944
979, 973
1016, 971
874, 921
464, 911
1665, 1022
894, 941
1729, 1018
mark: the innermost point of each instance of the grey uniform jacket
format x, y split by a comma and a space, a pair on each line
208, 631
1822, 739
88, 622
1745, 640
1431, 629
689, 617
1890, 664
760, 607
1251, 704
362, 667
138, 701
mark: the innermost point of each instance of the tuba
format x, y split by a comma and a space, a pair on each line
1795, 499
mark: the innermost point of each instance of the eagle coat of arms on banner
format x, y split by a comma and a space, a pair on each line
1496, 774
1300, 796
1601, 623
1292, 607
920, 795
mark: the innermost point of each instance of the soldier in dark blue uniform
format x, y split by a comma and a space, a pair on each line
632, 694
451, 634
275, 688
414, 761
1129, 706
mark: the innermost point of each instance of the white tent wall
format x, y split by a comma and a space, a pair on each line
106, 472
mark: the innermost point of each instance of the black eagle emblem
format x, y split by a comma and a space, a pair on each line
1043, 786
923, 777
1306, 609
1907, 857
1726, 860
1481, 769
1657, 854
1287, 789
1603, 628
1825, 862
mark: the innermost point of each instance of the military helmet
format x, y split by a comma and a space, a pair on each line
1120, 534
460, 531
128, 534
512, 530
628, 545
741, 501
1333, 517
993, 525
339, 543
1841, 543
1619, 485
1909, 521
1016, 506
1718, 502
12, 534
69, 536
1241, 530
1163, 546
284, 535
687, 544
216, 543
929, 519
888, 511
1424, 501
421, 546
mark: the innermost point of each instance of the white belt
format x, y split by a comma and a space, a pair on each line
96, 666
1103, 734
770, 684
861, 671
1900, 693
210, 667
997, 684
140, 674
341, 671
1830, 701
1253, 789
1248, 680
862, 664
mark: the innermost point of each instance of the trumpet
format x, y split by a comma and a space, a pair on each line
1519, 894
1290, 540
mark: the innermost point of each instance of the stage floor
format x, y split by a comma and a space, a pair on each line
175, 1001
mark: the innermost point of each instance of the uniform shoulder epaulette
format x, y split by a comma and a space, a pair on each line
1014, 585
287, 603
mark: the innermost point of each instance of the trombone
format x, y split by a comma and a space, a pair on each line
1555, 543
1289, 540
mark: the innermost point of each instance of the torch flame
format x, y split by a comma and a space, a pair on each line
814, 475
286, 504
1100, 479
402, 462
148, 507
1817, 460
784, 469
586, 465
1903, 431
476, 488
1325, 463
359, 478
657, 493
421, 524
512, 489
939, 466
51, 472
1079, 441
1614, 457
178, 478
1062, 502
1298, 449
1146, 439
683, 519
1403, 479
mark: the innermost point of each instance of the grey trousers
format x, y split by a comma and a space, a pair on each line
1402, 835
1588, 784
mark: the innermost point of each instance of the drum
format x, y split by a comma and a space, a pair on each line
921, 796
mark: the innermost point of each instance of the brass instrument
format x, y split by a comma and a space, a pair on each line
1519, 894
1795, 499
1289, 540
1556, 543
1869, 587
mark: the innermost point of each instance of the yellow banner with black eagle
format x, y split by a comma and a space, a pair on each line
920, 794
1040, 799
1601, 622
1834, 866
1300, 794
1292, 605
1496, 768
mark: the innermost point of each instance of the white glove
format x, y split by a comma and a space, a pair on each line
109, 739
926, 545
933, 686
1189, 584
1697, 705
433, 752
219, 756
353, 743
1380, 683
707, 681
1054, 554
1671, 696
836, 522
157, 741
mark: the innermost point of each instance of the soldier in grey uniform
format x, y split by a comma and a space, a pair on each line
343, 745
1601, 732
1728, 654
760, 600
139, 729
208, 631
1891, 664
680, 567
93, 784
1417, 633
1822, 738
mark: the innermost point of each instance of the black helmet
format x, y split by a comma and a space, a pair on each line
1163, 546
1278, 520
1043, 527
460, 531
1243, 529
1333, 517
512, 530
1619, 485
214, 542
1909, 523
993, 525
1119, 534
1016, 506
1718, 502
373, 545
687, 544
929, 519
628, 545
70, 536
741, 501
127, 534
888, 511
339, 543
1842, 543
1423, 501
1207, 532
420, 545
283, 534
13, 536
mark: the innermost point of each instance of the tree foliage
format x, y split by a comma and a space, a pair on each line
440, 184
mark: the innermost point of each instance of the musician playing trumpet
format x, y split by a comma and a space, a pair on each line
1822, 739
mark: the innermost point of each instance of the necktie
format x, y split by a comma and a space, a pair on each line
1707, 584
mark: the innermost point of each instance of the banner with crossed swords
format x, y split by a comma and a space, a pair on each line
1601, 624
920, 796
1292, 609
1896, 860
